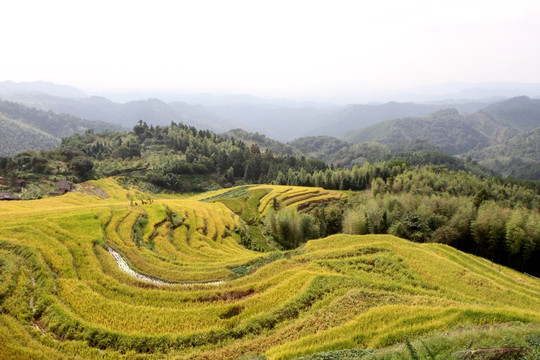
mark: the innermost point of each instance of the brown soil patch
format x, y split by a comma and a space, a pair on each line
89, 189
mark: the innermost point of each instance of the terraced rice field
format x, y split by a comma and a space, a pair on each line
135, 277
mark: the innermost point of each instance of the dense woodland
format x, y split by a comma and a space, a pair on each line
491, 217
518, 157
420, 193
176, 157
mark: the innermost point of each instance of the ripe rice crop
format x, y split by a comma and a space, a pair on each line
63, 295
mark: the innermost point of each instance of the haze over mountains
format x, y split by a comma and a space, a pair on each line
267, 116
23, 128
464, 120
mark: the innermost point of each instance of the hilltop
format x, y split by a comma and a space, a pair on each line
493, 124
200, 292
354, 117
340, 153
506, 125
265, 144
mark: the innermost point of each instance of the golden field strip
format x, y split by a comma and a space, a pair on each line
63, 295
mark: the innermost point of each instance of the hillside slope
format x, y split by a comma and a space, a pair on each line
264, 143
17, 137
153, 111
446, 129
69, 292
355, 117
28, 128
518, 157
340, 153
522, 112
456, 133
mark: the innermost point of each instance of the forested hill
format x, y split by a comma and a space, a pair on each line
23, 128
265, 143
355, 117
446, 129
521, 113
504, 129
339, 153
176, 157
519, 156
456, 133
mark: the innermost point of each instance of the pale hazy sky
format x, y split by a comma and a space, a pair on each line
271, 48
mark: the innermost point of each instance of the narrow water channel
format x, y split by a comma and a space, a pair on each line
123, 265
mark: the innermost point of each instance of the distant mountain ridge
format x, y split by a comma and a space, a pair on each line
270, 120
355, 117
457, 127
446, 129
10, 87
493, 124
502, 136
222, 113
152, 111
278, 122
24, 128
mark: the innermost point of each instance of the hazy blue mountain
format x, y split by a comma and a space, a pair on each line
356, 117
485, 92
451, 93
10, 87
522, 113
24, 127
446, 129
201, 117
481, 123
457, 133
277, 122
152, 111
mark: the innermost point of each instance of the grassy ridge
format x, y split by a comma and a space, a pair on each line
62, 294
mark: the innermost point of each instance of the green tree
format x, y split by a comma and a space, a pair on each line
489, 228
82, 165
354, 222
